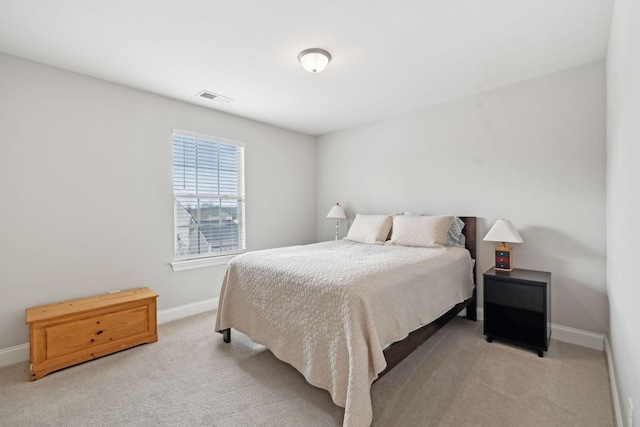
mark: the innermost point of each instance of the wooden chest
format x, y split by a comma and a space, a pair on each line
71, 332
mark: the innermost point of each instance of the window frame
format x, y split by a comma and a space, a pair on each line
212, 258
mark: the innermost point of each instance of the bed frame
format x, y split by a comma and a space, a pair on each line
397, 351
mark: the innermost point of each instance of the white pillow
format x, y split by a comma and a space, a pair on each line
370, 228
455, 236
423, 231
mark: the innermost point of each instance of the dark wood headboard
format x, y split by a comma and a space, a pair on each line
469, 232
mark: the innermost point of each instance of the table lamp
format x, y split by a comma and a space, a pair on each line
336, 213
503, 231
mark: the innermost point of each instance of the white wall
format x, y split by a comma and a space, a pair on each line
623, 200
533, 152
85, 180
86, 190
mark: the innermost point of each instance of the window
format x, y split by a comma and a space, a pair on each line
208, 192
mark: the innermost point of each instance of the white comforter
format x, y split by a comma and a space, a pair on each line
330, 308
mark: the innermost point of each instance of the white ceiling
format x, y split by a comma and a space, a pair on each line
388, 57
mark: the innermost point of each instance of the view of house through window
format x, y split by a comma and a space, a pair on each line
208, 189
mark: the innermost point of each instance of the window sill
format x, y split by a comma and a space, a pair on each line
190, 264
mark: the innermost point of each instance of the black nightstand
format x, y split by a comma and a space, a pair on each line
517, 307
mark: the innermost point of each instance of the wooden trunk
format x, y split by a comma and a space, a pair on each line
71, 332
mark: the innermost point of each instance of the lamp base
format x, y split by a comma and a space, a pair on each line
504, 258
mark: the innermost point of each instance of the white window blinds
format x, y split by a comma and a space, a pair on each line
208, 189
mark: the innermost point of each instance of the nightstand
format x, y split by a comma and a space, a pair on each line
517, 307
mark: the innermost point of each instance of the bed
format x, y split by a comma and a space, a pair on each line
344, 313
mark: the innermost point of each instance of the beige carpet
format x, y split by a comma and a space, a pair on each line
191, 378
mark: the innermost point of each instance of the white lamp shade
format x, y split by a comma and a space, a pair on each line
336, 212
314, 60
503, 231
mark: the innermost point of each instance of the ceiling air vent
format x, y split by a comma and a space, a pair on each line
214, 97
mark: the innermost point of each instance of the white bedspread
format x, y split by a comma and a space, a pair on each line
330, 308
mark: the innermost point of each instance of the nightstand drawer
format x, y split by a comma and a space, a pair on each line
516, 295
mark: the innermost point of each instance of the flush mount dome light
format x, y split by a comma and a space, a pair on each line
314, 60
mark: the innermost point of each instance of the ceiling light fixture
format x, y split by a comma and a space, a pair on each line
314, 60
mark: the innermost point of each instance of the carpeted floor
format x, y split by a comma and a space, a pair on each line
191, 378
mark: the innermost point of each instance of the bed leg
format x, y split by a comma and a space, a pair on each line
226, 335
472, 312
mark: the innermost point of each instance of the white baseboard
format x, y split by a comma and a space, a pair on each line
578, 337
617, 408
187, 310
20, 353
15, 354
